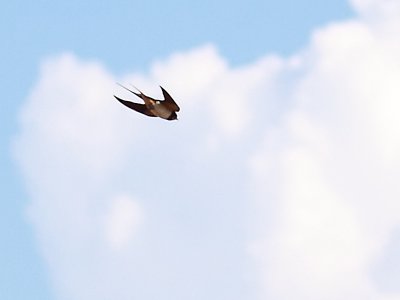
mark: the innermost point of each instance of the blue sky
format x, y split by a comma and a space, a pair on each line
262, 48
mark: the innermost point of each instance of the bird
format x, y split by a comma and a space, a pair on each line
165, 109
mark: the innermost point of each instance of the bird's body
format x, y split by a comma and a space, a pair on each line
165, 109
160, 110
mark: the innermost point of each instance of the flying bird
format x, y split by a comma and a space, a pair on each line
165, 109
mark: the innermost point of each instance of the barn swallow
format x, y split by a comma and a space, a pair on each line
165, 109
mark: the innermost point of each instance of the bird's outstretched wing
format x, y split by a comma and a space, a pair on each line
141, 108
169, 101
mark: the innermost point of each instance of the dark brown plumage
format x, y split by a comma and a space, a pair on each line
165, 109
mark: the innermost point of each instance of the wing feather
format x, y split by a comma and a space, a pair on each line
169, 101
141, 108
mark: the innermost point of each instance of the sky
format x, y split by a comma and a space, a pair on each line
278, 181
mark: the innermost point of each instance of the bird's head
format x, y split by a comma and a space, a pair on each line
173, 116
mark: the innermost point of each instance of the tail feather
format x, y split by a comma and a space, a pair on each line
139, 95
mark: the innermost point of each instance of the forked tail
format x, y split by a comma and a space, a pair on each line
140, 92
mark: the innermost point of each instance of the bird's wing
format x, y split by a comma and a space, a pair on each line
141, 108
169, 101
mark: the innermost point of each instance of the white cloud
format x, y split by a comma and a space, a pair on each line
87, 159
319, 130
385, 7
192, 72
122, 222
330, 167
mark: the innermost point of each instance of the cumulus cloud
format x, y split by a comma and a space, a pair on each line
293, 160
385, 7
122, 222
87, 160
329, 166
